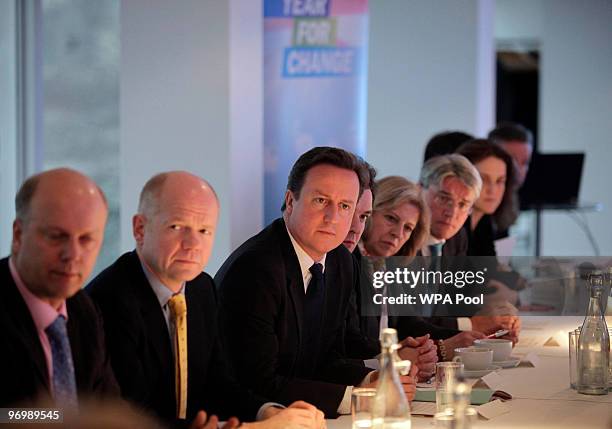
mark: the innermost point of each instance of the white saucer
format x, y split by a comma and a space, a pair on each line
513, 362
480, 372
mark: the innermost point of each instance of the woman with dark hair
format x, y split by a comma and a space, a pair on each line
498, 183
498, 175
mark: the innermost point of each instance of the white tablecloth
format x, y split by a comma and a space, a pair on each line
541, 395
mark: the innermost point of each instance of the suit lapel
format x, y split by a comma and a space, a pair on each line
24, 325
295, 284
151, 312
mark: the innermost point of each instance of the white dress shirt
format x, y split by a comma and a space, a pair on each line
305, 263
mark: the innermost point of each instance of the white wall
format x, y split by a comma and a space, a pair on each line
576, 112
431, 69
176, 107
575, 102
518, 19
8, 123
246, 119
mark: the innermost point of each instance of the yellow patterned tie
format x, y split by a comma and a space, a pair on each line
178, 308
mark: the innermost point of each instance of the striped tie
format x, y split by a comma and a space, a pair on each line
178, 308
64, 383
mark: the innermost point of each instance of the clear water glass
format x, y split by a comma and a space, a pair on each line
447, 374
573, 357
362, 405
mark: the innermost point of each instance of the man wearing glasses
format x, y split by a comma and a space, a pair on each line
451, 185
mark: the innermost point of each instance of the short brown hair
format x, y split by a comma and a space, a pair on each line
325, 155
371, 182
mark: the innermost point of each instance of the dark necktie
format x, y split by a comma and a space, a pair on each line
313, 310
436, 256
436, 266
64, 383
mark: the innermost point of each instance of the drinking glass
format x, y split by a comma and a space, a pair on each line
573, 357
446, 376
610, 364
362, 405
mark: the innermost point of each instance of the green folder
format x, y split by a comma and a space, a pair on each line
479, 396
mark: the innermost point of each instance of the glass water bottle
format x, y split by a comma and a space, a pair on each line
594, 343
391, 408
402, 366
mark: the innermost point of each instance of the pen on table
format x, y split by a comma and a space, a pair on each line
498, 334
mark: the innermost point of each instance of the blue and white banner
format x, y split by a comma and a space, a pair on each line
315, 84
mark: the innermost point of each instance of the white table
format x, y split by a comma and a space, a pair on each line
541, 395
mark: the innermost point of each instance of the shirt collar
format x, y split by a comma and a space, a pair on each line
43, 314
431, 240
162, 292
304, 258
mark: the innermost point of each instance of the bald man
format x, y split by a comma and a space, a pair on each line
168, 362
53, 349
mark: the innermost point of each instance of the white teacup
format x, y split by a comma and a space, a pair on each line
502, 349
474, 358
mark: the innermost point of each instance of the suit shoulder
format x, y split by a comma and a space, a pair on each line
82, 309
342, 256
203, 283
116, 279
260, 251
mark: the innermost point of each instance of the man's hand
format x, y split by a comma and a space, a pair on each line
421, 351
299, 414
408, 381
463, 339
201, 422
515, 330
494, 317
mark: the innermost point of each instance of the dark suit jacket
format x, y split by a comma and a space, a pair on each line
363, 330
457, 245
482, 245
438, 327
480, 241
24, 376
262, 297
141, 351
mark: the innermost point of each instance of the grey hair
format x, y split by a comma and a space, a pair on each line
438, 168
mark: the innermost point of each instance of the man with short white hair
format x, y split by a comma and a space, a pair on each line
160, 315
451, 185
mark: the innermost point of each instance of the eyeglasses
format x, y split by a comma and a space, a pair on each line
447, 202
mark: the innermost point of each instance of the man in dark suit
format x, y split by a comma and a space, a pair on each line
451, 185
285, 292
362, 331
160, 315
53, 349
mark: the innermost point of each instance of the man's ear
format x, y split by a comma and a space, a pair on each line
289, 199
138, 226
17, 234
